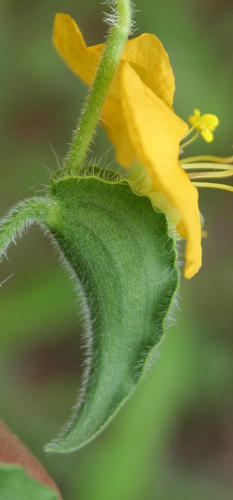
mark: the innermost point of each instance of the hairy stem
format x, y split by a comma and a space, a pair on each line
20, 218
98, 92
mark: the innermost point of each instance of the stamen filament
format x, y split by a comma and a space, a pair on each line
211, 175
189, 141
213, 185
189, 132
214, 159
204, 166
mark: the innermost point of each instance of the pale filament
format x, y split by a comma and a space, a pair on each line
204, 166
211, 175
191, 129
213, 185
214, 159
206, 170
189, 141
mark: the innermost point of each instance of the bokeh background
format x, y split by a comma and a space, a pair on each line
173, 439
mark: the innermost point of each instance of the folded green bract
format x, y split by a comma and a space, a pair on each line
118, 249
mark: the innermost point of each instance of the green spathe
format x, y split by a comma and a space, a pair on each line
119, 250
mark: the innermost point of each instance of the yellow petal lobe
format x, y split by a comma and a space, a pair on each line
146, 55
70, 44
114, 123
150, 60
155, 132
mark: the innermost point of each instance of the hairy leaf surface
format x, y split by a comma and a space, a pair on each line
119, 249
123, 261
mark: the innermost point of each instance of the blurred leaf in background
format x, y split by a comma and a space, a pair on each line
14, 481
173, 439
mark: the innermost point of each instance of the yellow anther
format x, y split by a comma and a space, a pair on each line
206, 124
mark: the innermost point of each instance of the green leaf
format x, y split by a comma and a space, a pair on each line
119, 249
119, 252
15, 484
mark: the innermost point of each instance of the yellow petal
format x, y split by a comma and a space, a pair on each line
145, 53
70, 44
150, 60
147, 56
155, 132
114, 124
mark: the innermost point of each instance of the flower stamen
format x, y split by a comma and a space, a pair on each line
205, 124
204, 166
192, 139
207, 158
213, 185
211, 175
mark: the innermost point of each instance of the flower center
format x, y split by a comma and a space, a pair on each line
200, 168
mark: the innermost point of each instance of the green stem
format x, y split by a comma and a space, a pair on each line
98, 92
20, 218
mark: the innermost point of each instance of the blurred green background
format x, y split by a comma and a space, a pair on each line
173, 439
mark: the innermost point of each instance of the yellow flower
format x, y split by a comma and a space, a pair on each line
140, 121
206, 124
